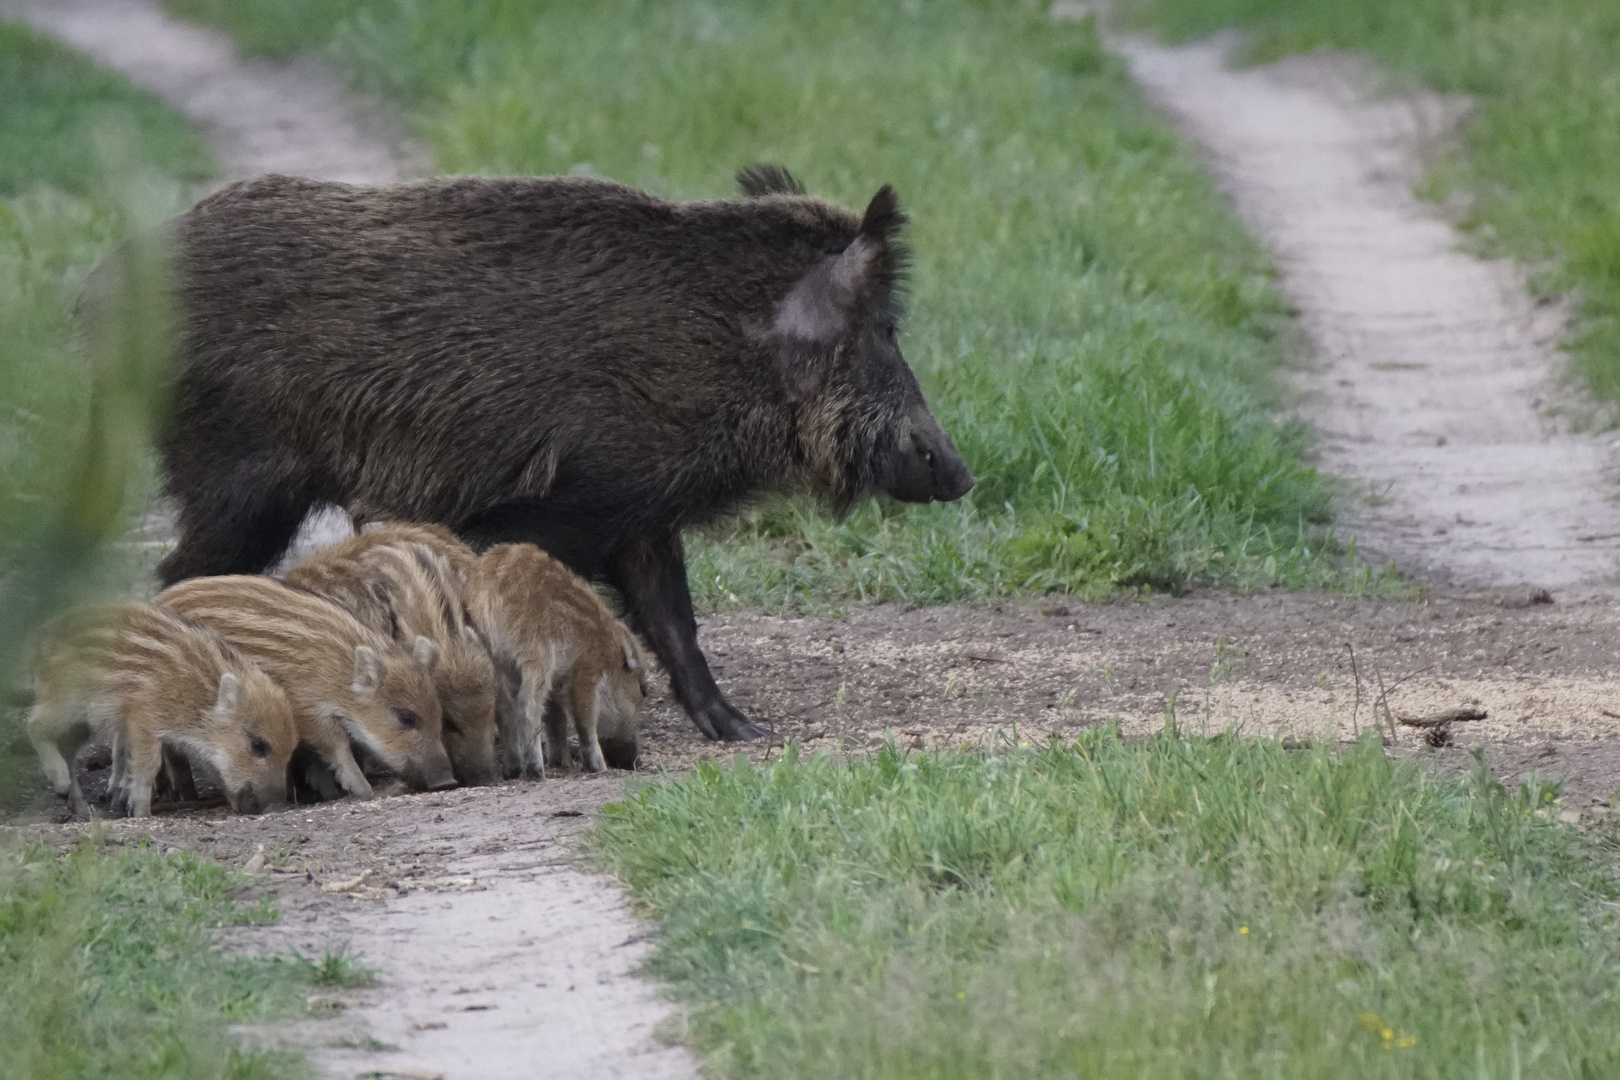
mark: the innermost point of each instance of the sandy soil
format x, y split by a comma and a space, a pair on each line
1431, 372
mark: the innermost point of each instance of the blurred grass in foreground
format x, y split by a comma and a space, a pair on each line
71, 471
106, 964
1175, 908
1540, 159
1094, 329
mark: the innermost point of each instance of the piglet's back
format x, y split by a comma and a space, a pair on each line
302, 640
138, 654
520, 594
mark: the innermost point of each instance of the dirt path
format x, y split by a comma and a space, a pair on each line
1432, 369
258, 116
496, 958
1277, 664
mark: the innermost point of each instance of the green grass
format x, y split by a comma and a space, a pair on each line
1175, 908
107, 970
1096, 332
72, 138
1540, 160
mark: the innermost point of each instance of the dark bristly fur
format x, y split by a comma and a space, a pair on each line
567, 361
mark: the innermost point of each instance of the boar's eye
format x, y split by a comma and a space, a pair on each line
450, 725
408, 719
259, 747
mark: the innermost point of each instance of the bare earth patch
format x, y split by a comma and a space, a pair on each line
1276, 664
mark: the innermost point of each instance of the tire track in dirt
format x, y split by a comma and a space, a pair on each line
1432, 369
548, 951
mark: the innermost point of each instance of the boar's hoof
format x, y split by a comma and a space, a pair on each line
724, 723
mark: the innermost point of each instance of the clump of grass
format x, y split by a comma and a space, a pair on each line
1093, 328
338, 970
106, 969
1174, 908
1539, 159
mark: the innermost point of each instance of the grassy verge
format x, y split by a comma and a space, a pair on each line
106, 970
1093, 328
1540, 160
70, 136
1176, 908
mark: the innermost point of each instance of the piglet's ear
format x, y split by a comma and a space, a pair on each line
230, 695
425, 653
367, 672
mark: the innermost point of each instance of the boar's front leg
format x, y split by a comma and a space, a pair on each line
650, 571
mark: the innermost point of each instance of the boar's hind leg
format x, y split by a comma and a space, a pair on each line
650, 570
234, 529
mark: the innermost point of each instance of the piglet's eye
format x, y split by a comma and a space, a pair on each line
259, 747
408, 719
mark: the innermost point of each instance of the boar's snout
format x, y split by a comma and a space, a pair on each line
926, 465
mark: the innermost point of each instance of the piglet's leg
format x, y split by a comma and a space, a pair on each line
145, 761
43, 732
583, 705
332, 746
556, 737
177, 772
533, 744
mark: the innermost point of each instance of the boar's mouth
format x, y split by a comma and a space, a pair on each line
926, 466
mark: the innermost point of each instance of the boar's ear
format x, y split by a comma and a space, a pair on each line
883, 219
761, 179
367, 672
230, 695
425, 653
819, 310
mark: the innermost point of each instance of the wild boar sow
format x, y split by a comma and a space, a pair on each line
566, 362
